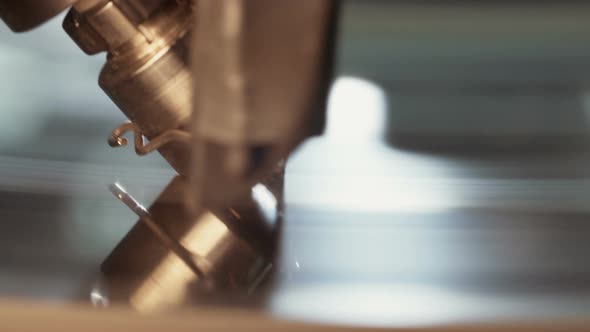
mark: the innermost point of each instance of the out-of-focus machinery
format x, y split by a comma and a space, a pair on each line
224, 90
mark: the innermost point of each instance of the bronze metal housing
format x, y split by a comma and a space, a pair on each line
147, 73
262, 70
151, 276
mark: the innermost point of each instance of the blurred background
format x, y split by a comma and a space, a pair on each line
58, 220
451, 184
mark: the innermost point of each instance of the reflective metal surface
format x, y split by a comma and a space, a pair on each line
146, 74
169, 259
262, 72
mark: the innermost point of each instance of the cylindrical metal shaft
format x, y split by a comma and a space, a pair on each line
149, 274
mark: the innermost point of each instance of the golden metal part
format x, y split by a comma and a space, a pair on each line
146, 218
262, 71
141, 148
147, 73
170, 257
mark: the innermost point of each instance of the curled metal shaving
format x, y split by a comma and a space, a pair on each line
142, 148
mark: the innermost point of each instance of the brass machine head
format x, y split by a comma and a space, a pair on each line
224, 90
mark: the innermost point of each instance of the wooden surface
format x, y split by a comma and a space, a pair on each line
21, 316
